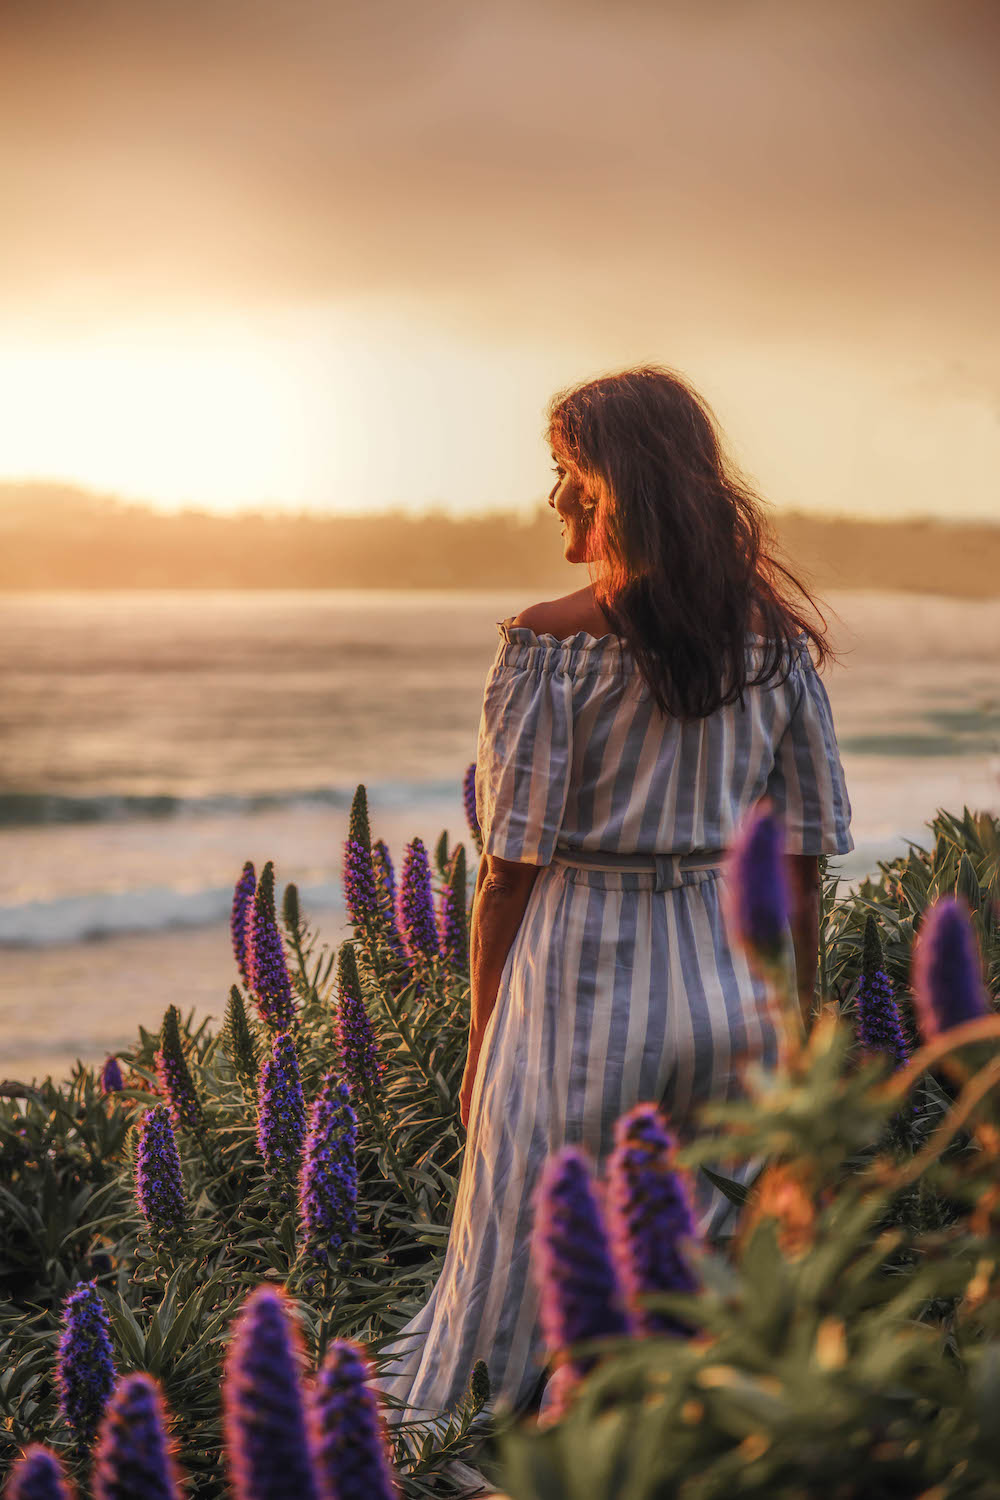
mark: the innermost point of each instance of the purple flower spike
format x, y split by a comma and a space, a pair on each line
239, 920
85, 1369
385, 876
581, 1295
267, 1440
879, 1026
469, 798
134, 1456
355, 1034
352, 1444
111, 1076
648, 1207
948, 984
415, 904
453, 923
385, 886
756, 885
267, 966
37, 1475
360, 890
159, 1187
173, 1075
328, 1182
281, 1111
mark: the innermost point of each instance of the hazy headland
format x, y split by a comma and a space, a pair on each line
61, 537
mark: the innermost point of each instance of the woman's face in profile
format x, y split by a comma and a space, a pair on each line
566, 498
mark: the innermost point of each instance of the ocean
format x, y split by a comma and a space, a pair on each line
153, 742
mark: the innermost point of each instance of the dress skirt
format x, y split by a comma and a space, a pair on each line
613, 992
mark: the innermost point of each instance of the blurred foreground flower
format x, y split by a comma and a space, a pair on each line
784, 1193
879, 1026
173, 1074
352, 1444
85, 1370
266, 963
581, 1295
239, 920
281, 1113
37, 1475
328, 1182
355, 1034
134, 1456
948, 986
416, 904
111, 1076
159, 1187
756, 885
265, 1423
649, 1215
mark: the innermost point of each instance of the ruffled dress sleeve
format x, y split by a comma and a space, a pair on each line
524, 749
806, 784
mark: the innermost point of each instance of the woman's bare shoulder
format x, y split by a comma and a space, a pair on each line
566, 616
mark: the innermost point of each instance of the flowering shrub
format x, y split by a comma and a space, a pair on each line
844, 1342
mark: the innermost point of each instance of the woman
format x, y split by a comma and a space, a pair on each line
626, 731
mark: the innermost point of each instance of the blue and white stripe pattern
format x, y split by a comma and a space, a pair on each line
613, 992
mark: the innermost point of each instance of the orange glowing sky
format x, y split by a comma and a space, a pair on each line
330, 255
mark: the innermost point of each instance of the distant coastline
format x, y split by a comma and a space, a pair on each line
60, 537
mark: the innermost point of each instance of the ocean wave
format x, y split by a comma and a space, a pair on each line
38, 809
106, 914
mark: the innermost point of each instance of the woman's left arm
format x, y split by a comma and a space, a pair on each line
503, 887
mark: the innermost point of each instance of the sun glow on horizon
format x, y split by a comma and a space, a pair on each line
368, 407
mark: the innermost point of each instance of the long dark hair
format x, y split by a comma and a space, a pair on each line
682, 551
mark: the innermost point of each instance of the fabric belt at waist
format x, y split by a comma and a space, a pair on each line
669, 870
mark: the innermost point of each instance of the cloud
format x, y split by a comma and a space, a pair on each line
758, 166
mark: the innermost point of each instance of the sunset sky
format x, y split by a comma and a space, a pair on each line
339, 256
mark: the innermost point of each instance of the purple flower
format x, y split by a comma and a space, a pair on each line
238, 923
415, 904
37, 1475
648, 1207
173, 1076
360, 891
385, 886
85, 1370
756, 884
384, 874
159, 1187
266, 964
267, 1439
111, 1076
328, 1181
879, 1026
581, 1295
355, 1035
352, 1444
469, 798
948, 984
281, 1112
134, 1456
452, 923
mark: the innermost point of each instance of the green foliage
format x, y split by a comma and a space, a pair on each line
847, 1342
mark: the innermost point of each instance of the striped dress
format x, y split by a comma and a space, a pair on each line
619, 986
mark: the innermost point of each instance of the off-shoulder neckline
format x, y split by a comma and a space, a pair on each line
582, 640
